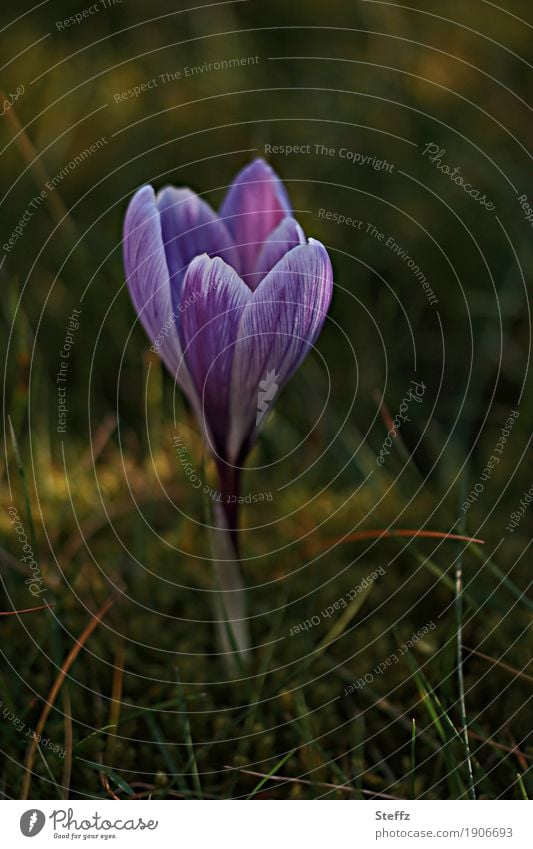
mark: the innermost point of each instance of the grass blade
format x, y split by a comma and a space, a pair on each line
413, 761
24, 483
119, 781
459, 653
188, 737
274, 769
523, 791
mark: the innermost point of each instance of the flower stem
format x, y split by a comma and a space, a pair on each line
233, 635
230, 487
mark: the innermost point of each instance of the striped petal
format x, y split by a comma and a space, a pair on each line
254, 206
148, 280
213, 298
286, 236
278, 327
190, 228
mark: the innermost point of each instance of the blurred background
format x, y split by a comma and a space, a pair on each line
370, 112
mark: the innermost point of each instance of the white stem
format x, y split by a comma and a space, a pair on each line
230, 602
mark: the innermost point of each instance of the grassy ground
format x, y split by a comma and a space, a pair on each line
146, 707
394, 665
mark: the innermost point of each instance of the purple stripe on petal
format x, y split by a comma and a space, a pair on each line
190, 228
148, 280
254, 206
213, 297
286, 236
278, 327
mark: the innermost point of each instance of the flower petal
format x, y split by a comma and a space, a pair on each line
148, 279
278, 327
190, 228
213, 297
286, 236
254, 205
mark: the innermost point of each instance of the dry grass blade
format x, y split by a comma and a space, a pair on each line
400, 532
116, 701
388, 421
503, 665
26, 610
7, 560
52, 696
99, 442
340, 626
500, 746
340, 787
520, 756
36, 167
67, 767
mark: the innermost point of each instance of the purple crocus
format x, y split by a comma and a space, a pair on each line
231, 302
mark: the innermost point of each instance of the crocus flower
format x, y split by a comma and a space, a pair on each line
232, 302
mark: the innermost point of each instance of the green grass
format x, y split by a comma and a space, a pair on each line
288, 718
